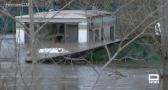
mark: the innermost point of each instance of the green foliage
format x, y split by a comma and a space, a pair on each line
141, 49
115, 6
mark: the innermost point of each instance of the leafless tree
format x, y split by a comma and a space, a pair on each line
135, 18
164, 45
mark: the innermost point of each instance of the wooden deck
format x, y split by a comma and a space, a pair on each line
72, 48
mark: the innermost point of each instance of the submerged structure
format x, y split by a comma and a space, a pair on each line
72, 25
71, 30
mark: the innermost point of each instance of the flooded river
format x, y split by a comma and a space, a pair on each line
19, 75
76, 77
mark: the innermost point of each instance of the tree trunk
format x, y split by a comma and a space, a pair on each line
32, 32
164, 45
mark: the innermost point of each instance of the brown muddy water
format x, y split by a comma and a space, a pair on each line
19, 75
76, 77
